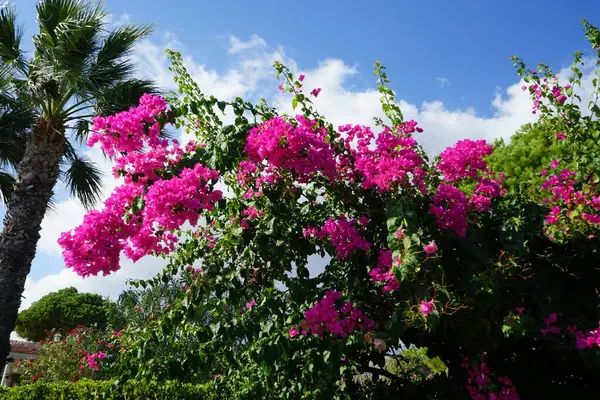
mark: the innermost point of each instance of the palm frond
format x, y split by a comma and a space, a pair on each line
69, 38
7, 182
6, 79
82, 177
16, 118
50, 13
43, 81
11, 35
122, 96
78, 40
110, 66
81, 130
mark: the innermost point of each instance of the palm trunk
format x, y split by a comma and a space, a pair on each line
36, 176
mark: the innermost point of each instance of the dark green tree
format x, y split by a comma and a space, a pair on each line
530, 150
65, 309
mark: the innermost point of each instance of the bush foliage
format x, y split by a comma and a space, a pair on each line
498, 285
88, 390
64, 309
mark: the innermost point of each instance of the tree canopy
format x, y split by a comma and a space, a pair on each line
65, 309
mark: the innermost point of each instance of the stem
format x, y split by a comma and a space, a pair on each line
71, 110
64, 100
66, 115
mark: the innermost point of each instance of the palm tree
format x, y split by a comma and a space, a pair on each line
15, 119
77, 70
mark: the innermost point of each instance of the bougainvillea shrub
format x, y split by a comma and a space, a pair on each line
82, 353
433, 252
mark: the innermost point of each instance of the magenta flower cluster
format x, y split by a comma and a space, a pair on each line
426, 307
555, 93
95, 246
450, 206
127, 131
326, 316
549, 322
300, 147
464, 160
383, 272
140, 217
91, 360
484, 385
564, 198
587, 340
343, 235
145, 167
393, 161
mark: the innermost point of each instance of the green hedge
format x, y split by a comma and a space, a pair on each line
86, 389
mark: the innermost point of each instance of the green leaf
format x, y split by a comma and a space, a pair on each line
326, 356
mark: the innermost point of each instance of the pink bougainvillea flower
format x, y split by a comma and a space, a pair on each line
343, 235
250, 304
550, 328
450, 207
561, 136
91, 360
294, 332
399, 233
384, 273
426, 307
430, 248
128, 131
301, 77
464, 159
327, 316
245, 223
315, 92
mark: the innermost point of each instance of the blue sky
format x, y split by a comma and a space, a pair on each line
466, 44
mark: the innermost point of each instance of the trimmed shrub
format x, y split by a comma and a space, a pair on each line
87, 389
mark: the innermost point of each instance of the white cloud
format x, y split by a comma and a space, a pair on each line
443, 126
443, 81
110, 285
252, 64
250, 75
236, 45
